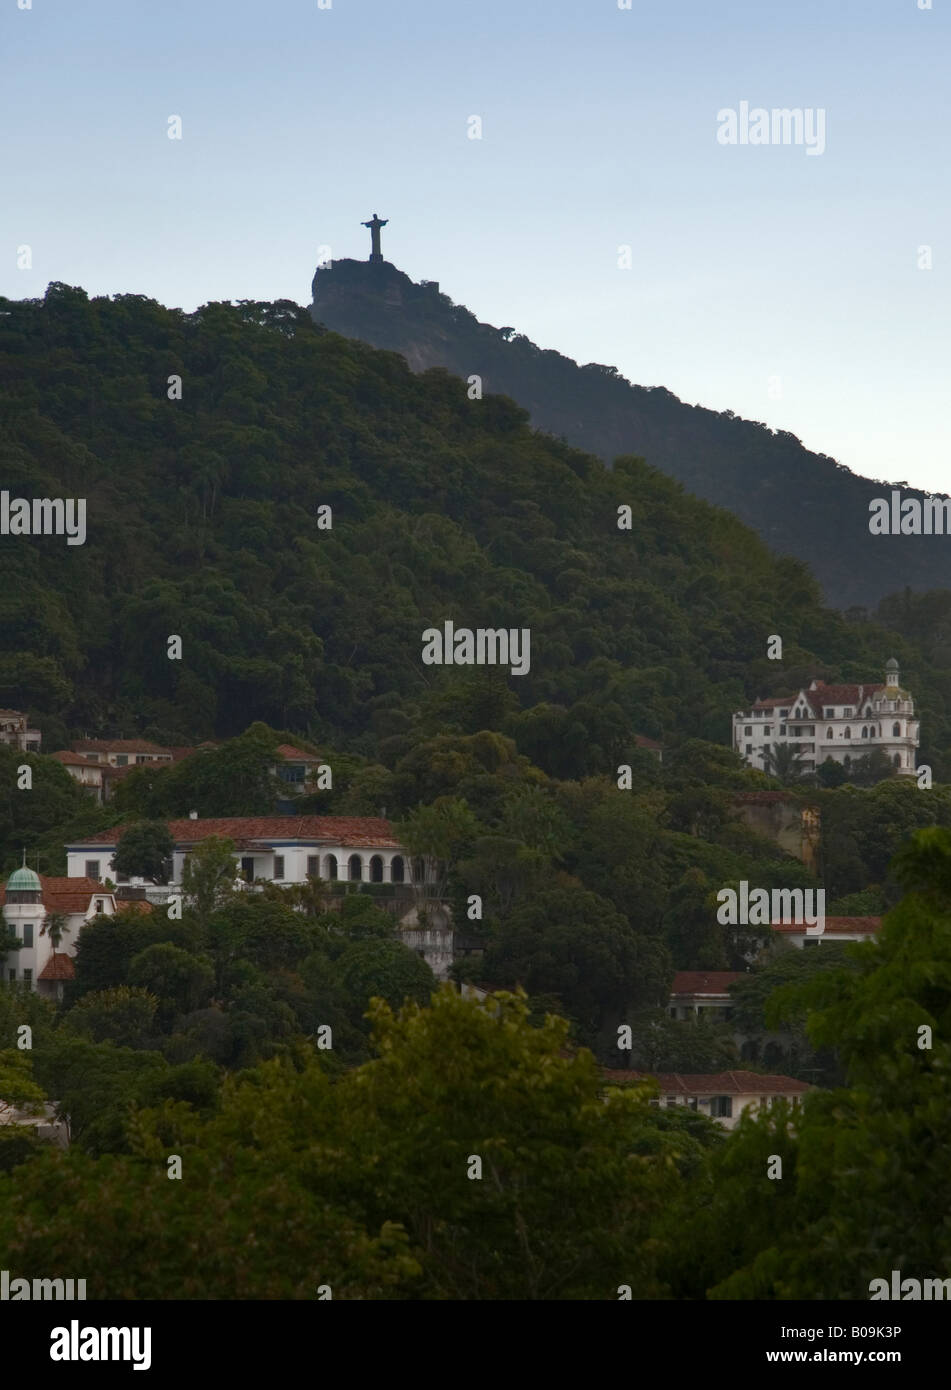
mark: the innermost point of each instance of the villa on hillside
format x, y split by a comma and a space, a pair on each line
291, 849
841, 722
15, 731
26, 901
723, 1096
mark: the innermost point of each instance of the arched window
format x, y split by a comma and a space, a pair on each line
896, 730
330, 867
355, 865
897, 760
376, 869
829, 734
398, 869
848, 732
865, 731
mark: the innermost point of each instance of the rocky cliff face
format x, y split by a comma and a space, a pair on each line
800, 503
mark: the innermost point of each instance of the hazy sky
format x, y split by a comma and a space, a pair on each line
778, 284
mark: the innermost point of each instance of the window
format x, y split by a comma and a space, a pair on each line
896, 731
721, 1107
141, 758
28, 933
92, 869
397, 869
848, 732
847, 712
122, 760
829, 713
355, 865
98, 905
330, 868
28, 977
797, 731
748, 730
811, 731
670, 1100
292, 772
247, 868
865, 731
313, 871
782, 730
767, 730
784, 714
828, 733
692, 1102
749, 748
278, 866
897, 760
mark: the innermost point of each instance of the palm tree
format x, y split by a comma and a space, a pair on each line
782, 760
54, 926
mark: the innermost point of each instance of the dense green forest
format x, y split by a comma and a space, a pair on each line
298, 1179
798, 502
203, 1037
202, 522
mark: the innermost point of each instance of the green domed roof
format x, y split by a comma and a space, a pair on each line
24, 881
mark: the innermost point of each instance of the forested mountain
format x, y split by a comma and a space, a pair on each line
203, 523
800, 503
207, 446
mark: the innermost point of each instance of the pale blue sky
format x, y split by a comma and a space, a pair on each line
599, 130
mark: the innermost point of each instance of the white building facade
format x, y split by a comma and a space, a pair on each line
841, 722
28, 900
292, 849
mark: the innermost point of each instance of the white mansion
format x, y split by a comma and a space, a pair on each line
841, 722
290, 849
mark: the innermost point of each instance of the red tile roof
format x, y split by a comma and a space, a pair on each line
724, 1083
705, 982
643, 741
834, 924
823, 694
287, 750
73, 759
58, 967
367, 832
67, 895
118, 745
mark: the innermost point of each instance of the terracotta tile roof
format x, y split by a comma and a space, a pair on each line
834, 924
67, 895
117, 745
12, 714
643, 741
58, 967
73, 759
724, 1083
367, 832
705, 981
823, 695
287, 750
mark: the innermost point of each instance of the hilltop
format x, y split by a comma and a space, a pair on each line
798, 502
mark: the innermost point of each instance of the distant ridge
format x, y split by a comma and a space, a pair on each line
800, 503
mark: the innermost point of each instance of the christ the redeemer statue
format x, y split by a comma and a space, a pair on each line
375, 225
